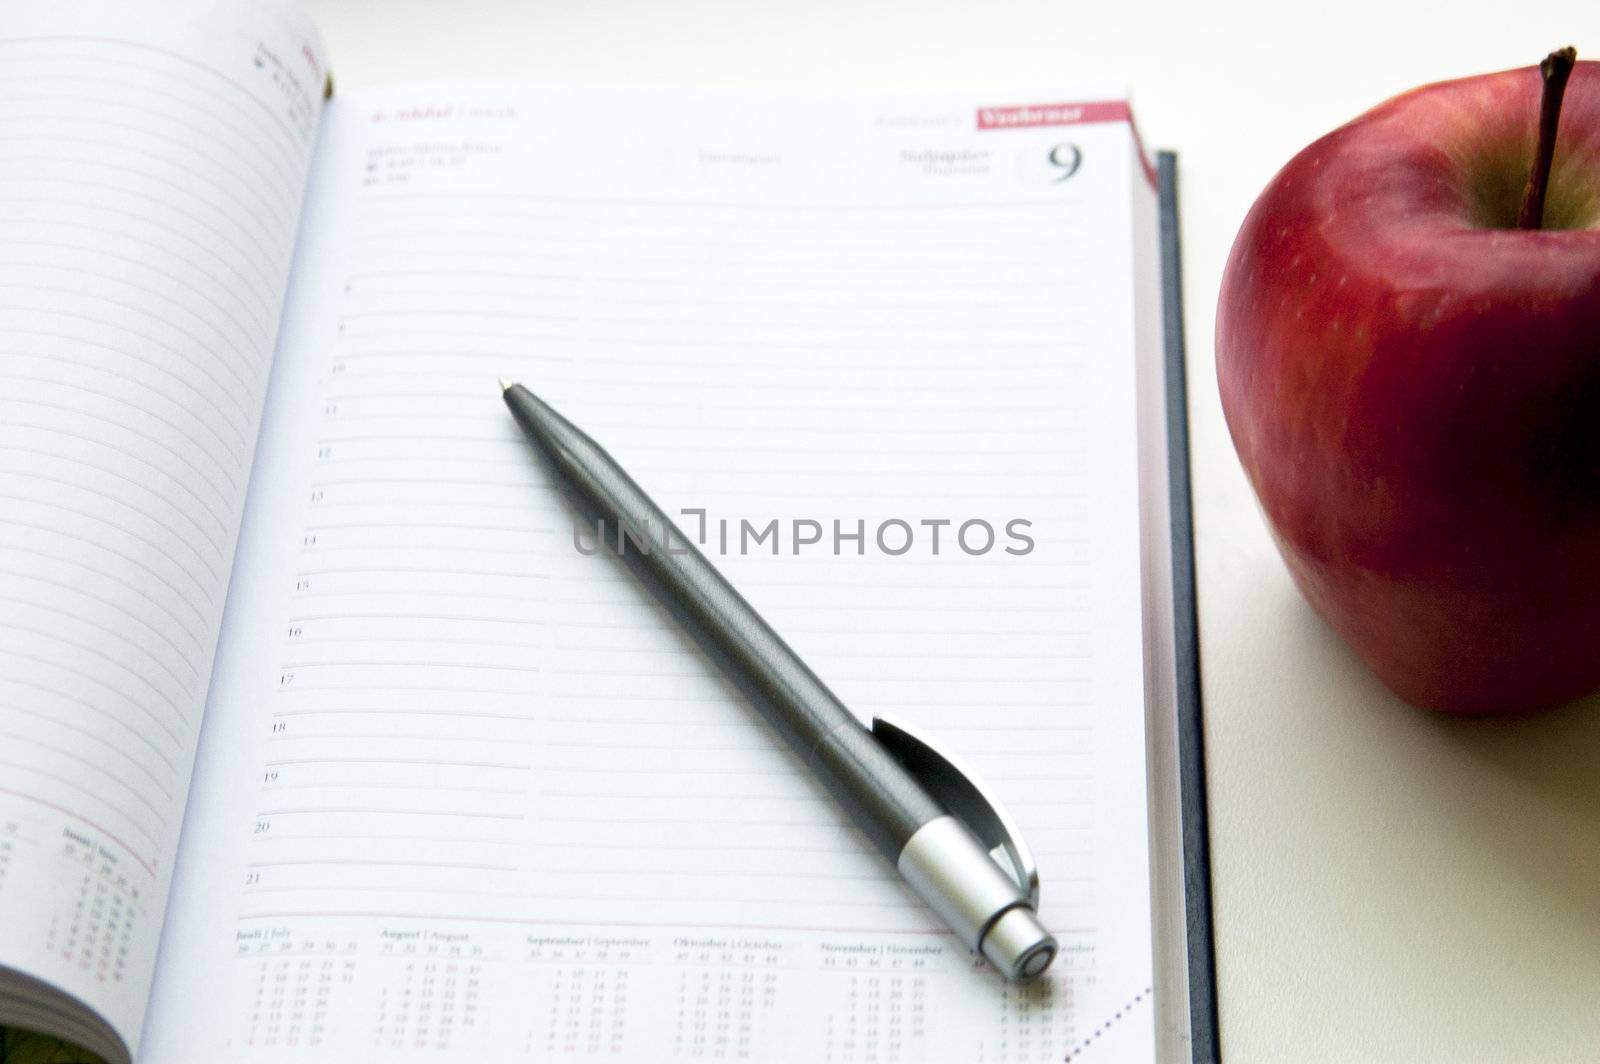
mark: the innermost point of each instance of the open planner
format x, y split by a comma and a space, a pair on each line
324, 738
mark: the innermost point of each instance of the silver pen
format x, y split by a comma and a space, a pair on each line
951, 842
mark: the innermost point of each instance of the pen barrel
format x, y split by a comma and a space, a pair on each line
938, 855
877, 792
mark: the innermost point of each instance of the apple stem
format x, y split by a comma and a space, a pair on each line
1555, 70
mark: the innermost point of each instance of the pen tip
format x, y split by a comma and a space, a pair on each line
505, 385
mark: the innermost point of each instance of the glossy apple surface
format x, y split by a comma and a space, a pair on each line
1413, 387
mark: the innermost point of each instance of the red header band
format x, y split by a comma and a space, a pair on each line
1052, 114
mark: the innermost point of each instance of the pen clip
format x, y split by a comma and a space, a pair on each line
963, 794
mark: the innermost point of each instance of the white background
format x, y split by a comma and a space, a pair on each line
1389, 886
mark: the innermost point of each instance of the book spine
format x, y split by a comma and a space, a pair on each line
1203, 1034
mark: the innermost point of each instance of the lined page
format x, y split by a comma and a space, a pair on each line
150, 183
467, 792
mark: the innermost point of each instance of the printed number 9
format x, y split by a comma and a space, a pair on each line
1066, 158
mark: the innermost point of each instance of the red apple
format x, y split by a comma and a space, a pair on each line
1413, 386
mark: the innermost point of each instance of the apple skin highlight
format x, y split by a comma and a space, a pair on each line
1413, 388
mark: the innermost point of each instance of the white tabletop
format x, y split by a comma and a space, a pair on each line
1389, 886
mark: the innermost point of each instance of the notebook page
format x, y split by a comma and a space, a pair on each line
467, 794
152, 165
